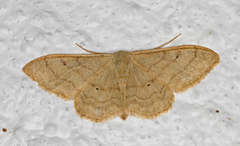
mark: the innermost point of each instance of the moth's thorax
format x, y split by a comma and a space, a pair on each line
121, 60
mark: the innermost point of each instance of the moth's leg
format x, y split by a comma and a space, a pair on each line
167, 42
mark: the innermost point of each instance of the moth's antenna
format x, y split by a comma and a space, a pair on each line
168, 42
87, 50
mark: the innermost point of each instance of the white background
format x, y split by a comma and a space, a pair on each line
30, 29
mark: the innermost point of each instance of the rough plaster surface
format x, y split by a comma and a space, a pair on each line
206, 115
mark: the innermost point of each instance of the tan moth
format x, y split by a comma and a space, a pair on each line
138, 83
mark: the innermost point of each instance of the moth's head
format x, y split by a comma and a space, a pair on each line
121, 57
121, 54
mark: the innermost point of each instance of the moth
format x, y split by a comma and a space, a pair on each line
138, 83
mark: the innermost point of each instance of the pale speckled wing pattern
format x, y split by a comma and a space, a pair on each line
154, 74
100, 100
88, 79
146, 97
65, 75
179, 67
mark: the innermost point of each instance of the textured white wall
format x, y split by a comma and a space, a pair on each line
30, 29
